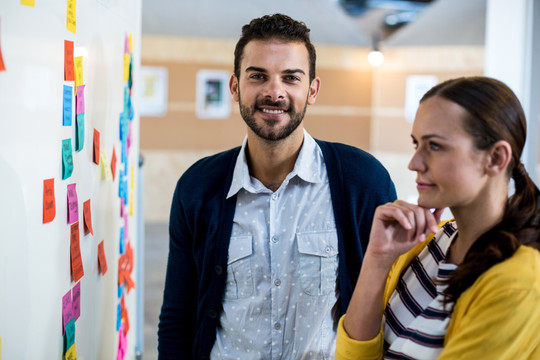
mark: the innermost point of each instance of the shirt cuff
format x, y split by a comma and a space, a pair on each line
350, 349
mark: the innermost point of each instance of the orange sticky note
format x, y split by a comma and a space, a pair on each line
49, 207
102, 260
77, 270
113, 163
69, 70
28, 2
87, 215
95, 157
71, 19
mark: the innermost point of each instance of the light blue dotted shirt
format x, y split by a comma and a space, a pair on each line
282, 265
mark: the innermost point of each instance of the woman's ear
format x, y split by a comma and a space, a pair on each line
499, 157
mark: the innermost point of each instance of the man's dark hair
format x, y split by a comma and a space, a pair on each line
279, 27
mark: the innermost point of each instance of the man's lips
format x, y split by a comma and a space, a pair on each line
272, 111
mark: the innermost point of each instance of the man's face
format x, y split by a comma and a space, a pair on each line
274, 87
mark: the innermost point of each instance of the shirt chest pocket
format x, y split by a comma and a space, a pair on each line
239, 277
318, 261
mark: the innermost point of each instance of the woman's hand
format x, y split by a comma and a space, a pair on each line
397, 228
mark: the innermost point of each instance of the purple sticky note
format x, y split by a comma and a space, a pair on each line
122, 205
67, 310
80, 99
77, 300
73, 204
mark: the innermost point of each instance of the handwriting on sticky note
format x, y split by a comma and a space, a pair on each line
70, 334
69, 71
67, 159
71, 18
67, 310
79, 132
71, 354
102, 259
76, 300
28, 3
80, 99
127, 61
95, 156
78, 62
113, 163
68, 108
77, 270
87, 215
105, 165
73, 203
49, 203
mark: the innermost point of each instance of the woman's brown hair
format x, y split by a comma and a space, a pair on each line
494, 113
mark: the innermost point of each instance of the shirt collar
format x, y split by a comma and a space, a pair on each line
309, 166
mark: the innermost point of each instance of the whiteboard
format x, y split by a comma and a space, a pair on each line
35, 257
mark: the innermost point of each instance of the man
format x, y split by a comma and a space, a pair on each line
267, 239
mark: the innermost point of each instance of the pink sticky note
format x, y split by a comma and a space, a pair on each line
67, 310
77, 300
73, 204
122, 206
80, 99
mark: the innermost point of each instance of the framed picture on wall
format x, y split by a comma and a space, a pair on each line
153, 96
213, 98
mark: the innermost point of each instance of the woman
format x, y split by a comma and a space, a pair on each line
472, 290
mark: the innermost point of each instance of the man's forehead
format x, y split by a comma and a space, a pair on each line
258, 52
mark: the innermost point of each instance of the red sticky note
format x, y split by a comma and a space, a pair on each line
96, 147
79, 106
87, 215
113, 162
2, 66
69, 70
76, 300
67, 310
49, 207
73, 204
77, 270
102, 260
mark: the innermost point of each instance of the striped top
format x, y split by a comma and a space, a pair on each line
415, 321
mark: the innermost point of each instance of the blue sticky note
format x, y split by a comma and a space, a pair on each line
69, 339
119, 318
68, 107
79, 132
120, 291
122, 246
67, 159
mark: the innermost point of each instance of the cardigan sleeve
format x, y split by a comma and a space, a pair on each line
350, 349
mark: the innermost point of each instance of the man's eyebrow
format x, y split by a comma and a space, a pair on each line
255, 68
294, 71
286, 71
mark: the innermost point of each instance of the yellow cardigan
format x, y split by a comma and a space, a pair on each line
498, 317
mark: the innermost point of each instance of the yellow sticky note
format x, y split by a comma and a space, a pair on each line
28, 2
78, 72
131, 203
71, 354
132, 177
130, 43
127, 60
105, 165
0, 348
71, 21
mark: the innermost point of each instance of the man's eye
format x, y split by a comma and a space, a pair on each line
256, 76
292, 78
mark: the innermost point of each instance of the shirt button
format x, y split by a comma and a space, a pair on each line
212, 314
277, 326
328, 249
218, 269
274, 196
277, 282
274, 239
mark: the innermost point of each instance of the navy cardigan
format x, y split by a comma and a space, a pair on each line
200, 228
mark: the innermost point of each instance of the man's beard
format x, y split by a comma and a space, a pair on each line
248, 114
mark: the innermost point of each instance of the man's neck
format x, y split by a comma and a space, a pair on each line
271, 162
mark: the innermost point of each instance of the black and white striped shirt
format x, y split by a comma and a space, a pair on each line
415, 321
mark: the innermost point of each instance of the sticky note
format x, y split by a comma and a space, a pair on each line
131, 203
87, 216
2, 65
122, 239
0, 348
71, 18
71, 354
69, 340
67, 310
76, 300
132, 177
69, 71
122, 206
49, 207
127, 60
130, 42
77, 270
28, 2
118, 317
105, 165
68, 109
95, 156
67, 159
102, 260
80, 99
126, 44
79, 132
113, 163
78, 71
73, 204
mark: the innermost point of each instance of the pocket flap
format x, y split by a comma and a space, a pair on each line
240, 247
318, 243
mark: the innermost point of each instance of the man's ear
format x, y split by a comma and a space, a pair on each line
314, 90
233, 87
499, 157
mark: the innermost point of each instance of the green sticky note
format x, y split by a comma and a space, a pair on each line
79, 139
67, 159
69, 339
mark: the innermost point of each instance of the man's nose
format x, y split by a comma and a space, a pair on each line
274, 89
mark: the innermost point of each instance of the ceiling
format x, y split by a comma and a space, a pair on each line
333, 22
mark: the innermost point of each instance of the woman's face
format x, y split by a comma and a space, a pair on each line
450, 170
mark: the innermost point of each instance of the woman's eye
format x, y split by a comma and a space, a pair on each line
434, 146
415, 144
